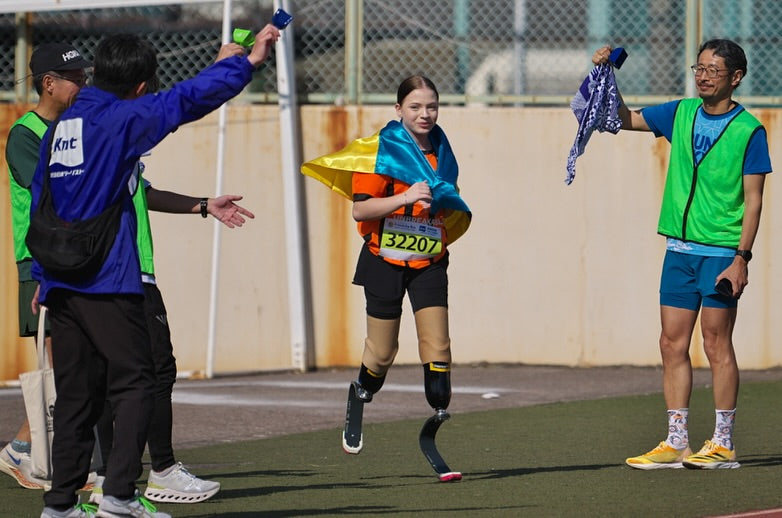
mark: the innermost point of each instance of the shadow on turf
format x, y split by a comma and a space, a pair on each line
516, 472
747, 461
266, 473
761, 460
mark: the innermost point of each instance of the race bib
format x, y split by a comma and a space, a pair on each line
410, 239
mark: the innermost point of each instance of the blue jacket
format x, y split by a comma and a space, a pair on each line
97, 144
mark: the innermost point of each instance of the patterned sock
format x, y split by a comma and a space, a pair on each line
723, 428
678, 435
20, 446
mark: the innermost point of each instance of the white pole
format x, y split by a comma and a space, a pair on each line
296, 252
217, 228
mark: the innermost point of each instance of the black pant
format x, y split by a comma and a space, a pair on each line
161, 451
385, 285
100, 349
159, 440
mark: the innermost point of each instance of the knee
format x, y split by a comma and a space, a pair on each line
381, 344
380, 356
718, 349
673, 350
434, 342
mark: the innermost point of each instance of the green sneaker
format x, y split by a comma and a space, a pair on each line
662, 457
712, 456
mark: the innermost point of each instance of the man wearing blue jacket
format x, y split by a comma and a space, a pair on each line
98, 324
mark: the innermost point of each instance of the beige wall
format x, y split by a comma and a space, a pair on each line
547, 274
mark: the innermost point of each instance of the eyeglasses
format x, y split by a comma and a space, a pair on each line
78, 81
710, 72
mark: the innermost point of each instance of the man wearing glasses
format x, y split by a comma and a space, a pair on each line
58, 73
710, 215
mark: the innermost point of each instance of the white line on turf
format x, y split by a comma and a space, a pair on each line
334, 385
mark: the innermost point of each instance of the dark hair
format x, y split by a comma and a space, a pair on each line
122, 61
414, 83
730, 51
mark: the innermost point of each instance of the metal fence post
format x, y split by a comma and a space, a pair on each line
353, 49
22, 56
692, 38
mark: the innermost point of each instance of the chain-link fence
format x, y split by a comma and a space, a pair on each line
489, 51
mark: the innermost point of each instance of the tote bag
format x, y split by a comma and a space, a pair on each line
39, 396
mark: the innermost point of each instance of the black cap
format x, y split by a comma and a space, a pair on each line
51, 57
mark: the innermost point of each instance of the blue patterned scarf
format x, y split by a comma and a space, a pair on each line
596, 107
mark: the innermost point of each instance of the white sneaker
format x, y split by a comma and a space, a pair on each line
20, 466
179, 486
96, 497
78, 511
136, 507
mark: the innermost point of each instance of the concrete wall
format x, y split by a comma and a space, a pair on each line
547, 274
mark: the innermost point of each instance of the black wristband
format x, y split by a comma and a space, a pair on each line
203, 207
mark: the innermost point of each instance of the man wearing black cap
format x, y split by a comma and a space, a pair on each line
58, 72
97, 314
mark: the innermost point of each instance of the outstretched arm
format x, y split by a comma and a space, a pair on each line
222, 208
631, 119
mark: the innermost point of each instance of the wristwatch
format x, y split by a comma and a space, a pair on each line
745, 254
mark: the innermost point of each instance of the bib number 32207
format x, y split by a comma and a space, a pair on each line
409, 240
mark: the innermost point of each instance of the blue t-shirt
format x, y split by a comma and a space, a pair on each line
705, 132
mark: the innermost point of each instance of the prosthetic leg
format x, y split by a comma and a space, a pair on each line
437, 378
433, 343
380, 348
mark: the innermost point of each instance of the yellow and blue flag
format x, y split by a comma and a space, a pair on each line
392, 152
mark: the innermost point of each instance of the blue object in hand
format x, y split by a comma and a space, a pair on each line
281, 19
617, 57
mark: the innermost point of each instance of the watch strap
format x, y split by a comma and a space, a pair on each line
745, 254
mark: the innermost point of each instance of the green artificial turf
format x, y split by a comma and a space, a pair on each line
562, 459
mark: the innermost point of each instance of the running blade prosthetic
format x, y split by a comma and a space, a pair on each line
429, 449
352, 438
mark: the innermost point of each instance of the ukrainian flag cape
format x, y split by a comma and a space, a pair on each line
392, 152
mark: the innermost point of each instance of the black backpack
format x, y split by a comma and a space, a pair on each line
72, 251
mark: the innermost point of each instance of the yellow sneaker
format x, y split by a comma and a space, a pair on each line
712, 456
663, 456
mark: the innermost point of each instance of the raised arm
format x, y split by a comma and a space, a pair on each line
263, 44
631, 119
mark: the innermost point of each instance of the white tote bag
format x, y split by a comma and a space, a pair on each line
39, 396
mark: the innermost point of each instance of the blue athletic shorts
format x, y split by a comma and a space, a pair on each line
688, 281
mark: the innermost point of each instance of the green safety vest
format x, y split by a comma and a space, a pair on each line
704, 203
21, 197
144, 234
